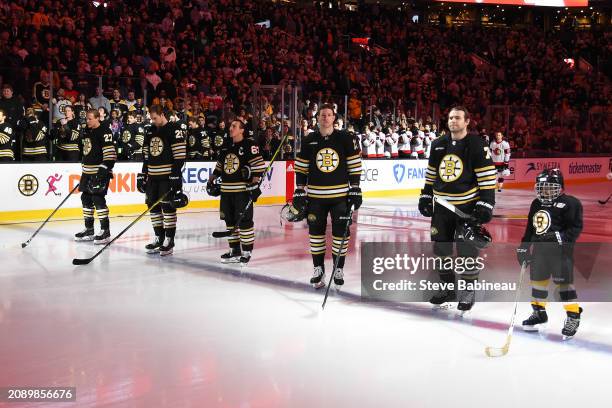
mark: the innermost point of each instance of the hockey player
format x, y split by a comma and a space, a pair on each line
35, 137
99, 156
133, 137
553, 226
195, 148
68, 136
7, 139
164, 153
240, 167
369, 143
500, 153
391, 141
405, 150
460, 171
329, 167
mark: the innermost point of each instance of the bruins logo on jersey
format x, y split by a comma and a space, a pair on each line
327, 160
218, 141
86, 146
192, 140
126, 136
451, 168
232, 163
156, 146
541, 221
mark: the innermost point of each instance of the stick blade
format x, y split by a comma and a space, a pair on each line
25, 244
497, 352
81, 261
221, 234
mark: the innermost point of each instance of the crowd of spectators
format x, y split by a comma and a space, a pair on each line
203, 59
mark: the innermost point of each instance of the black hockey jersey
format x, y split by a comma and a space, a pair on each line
238, 164
194, 142
35, 137
68, 136
132, 139
98, 148
327, 165
7, 141
560, 221
164, 150
461, 171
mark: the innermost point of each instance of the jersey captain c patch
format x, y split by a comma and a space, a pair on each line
451, 168
541, 222
327, 160
232, 163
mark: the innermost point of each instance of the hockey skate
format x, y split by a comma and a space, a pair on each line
467, 298
339, 277
245, 258
232, 256
102, 238
86, 235
318, 277
442, 299
570, 327
167, 248
153, 247
537, 319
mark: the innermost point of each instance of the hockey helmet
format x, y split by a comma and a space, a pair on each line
549, 184
291, 214
178, 199
214, 188
477, 235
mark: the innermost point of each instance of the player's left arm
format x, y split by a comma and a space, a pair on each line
486, 174
573, 222
353, 159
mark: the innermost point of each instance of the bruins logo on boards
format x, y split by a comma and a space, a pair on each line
231, 164
156, 146
541, 221
86, 146
451, 168
327, 160
28, 185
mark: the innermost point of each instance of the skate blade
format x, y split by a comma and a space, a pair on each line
152, 251
102, 241
84, 239
566, 337
534, 328
318, 285
166, 253
231, 260
444, 306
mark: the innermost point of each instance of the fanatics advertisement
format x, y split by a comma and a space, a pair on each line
43, 186
408, 271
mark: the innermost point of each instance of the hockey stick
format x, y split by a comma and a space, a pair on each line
346, 230
85, 261
452, 208
227, 233
502, 351
602, 202
25, 244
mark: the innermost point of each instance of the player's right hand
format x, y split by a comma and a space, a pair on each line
426, 205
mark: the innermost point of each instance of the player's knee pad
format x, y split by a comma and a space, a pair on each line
99, 201
167, 208
443, 249
87, 200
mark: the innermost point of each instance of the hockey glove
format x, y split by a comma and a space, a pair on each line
483, 212
141, 183
523, 255
426, 205
176, 182
354, 197
104, 173
300, 199
254, 191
